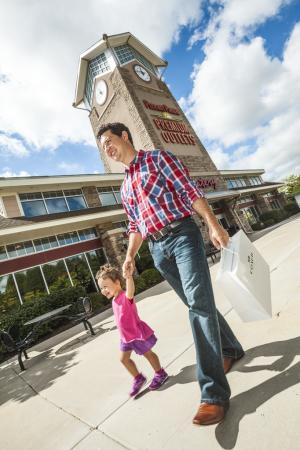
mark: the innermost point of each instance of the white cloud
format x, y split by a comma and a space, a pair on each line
240, 94
11, 146
40, 47
8, 173
69, 167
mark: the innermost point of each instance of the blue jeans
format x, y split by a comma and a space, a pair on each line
180, 257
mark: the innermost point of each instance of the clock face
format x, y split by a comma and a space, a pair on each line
142, 73
101, 92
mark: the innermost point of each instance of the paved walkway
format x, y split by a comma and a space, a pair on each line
73, 394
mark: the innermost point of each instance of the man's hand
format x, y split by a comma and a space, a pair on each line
218, 236
128, 267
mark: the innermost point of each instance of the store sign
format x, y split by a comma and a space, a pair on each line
161, 108
203, 183
172, 131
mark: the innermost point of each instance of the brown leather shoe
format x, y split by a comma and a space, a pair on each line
209, 414
228, 363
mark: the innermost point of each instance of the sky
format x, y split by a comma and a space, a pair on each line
234, 68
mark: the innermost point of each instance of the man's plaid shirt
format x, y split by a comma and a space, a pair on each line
156, 191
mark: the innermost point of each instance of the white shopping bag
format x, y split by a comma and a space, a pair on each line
245, 279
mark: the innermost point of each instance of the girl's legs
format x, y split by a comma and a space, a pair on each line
160, 375
129, 363
153, 360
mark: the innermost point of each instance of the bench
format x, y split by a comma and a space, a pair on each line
81, 312
12, 345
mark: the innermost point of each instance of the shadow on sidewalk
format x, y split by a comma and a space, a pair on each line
186, 375
248, 402
42, 369
83, 339
41, 372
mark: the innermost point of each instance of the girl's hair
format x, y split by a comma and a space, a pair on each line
108, 271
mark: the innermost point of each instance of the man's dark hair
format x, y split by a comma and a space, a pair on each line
116, 128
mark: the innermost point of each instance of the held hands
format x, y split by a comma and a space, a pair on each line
218, 236
128, 267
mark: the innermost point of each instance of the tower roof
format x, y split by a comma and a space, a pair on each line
99, 47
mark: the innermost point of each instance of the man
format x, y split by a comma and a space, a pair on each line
159, 197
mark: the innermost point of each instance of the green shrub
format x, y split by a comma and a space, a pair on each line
151, 277
144, 262
257, 226
99, 302
276, 214
292, 208
33, 308
140, 284
269, 222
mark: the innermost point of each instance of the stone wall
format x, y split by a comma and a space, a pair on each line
91, 196
114, 244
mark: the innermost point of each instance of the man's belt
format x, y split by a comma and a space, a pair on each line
157, 235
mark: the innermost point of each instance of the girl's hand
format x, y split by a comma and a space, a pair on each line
128, 267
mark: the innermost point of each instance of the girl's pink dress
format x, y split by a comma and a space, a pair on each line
136, 335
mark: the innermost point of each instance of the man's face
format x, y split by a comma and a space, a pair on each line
113, 145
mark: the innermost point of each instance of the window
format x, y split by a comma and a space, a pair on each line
96, 258
9, 298
117, 193
56, 275
89, 233
31, 283
255, 181
55, 202
109, 195
34, 208
75, 199
14, 250
224, 223
45, 243
244, 200
251, 214
80, 272
40, 203
29, 248
96, 66
3, 254
229, 184
125, 53
68, 238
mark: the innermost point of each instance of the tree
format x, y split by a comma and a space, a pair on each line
292, 186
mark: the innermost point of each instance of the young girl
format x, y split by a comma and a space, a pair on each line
135, 334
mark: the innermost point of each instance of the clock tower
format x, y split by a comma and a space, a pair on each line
119, 80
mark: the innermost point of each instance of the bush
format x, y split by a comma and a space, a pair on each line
269, 222
257, 226
99, 302
276, 214
144, 262
140, 285
292, 208
147, 279
33, 308
151, 277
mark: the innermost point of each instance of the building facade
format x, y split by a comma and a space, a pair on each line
55, 231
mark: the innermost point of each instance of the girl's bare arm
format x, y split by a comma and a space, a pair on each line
130, 288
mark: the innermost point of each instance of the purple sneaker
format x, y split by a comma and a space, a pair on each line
138, 383
158, 380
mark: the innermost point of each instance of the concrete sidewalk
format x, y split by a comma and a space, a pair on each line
73, 394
